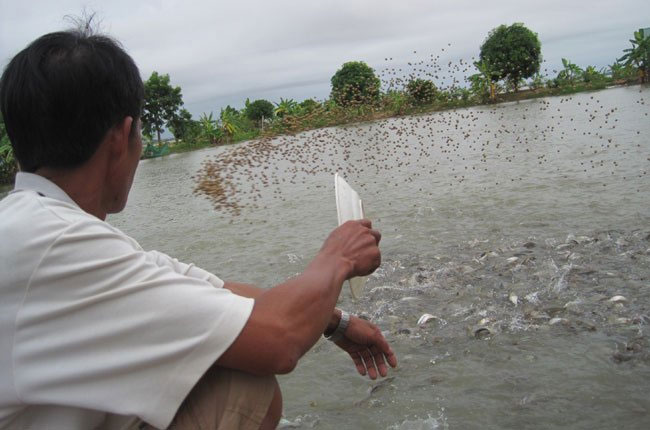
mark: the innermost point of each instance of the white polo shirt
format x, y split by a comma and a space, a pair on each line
93, 330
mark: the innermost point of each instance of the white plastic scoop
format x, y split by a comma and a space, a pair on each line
349, 207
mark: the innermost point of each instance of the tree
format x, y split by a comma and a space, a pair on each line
180, 124
355, 83
161, 102
512, 53
482, 84
639, 54
421, 91
308, 105
228, 126
259, 109
593, 76
570, 74
620, 71
285, 107
210, 129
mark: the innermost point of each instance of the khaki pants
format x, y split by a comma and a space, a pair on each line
225, 399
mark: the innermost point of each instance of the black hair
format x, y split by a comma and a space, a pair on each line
63, 93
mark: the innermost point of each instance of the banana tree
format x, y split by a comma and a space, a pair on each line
483, 82
228, 126
285, 107
210, 129
639, 54
593, 76
570, 74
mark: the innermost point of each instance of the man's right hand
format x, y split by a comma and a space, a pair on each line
357, 244
288, 319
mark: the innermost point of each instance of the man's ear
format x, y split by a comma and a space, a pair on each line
119, 136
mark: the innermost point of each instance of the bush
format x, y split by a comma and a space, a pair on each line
308, 105
355, 84
396, 102
593, 76
421, 91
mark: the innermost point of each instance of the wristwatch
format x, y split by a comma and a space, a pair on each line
339, 331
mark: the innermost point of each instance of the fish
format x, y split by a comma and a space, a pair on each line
426, 318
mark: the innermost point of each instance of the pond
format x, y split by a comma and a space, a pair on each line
515, 225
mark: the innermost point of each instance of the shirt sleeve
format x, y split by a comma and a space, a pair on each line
103, 326
190, 269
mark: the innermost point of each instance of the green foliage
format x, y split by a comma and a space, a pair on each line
180, 124
638, 55
210, 130
230, 111
8, 165
482, 85
308, 106
395, 102
229, 122
285, 107
512, 53
355, 83
537, 82
593, 76
624, 72
570, 75
161, 103
259, 110
421, 91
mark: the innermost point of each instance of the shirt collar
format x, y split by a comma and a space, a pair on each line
33, 182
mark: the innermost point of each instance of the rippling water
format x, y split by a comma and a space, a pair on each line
514, 225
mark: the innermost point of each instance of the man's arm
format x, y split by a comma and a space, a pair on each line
251, 291
289, 318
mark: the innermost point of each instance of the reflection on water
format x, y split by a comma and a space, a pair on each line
524, 220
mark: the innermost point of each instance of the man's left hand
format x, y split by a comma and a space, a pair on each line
367, 347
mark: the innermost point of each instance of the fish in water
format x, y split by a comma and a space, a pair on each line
373, 390
426, 318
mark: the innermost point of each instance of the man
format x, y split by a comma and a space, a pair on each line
96, 332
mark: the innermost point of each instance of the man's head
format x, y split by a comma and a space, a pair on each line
62, 94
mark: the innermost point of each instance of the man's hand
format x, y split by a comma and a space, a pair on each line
367, 347
357, 244
288, 319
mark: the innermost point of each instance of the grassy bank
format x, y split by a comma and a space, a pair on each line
391, 105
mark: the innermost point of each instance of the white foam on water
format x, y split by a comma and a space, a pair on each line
429, 423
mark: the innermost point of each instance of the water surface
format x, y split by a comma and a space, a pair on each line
546, 200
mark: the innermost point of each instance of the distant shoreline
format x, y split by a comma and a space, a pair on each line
524, 94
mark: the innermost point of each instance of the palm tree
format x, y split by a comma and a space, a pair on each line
639, 54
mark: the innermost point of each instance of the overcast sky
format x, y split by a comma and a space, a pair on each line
220, 52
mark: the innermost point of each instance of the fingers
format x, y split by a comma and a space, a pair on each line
372, 362
358, 362
376, 235
368, 224
365, 222
379, 361
369, 362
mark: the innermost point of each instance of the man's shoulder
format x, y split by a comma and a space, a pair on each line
23, 207
31, 222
